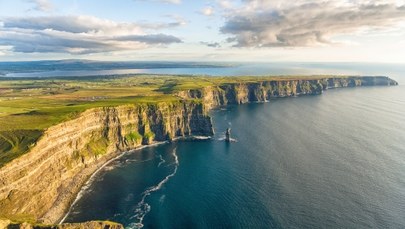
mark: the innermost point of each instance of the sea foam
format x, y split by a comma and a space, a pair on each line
143, 208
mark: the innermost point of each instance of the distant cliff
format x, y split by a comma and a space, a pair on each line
261, 91
42, 184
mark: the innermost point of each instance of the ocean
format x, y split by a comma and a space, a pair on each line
335, 160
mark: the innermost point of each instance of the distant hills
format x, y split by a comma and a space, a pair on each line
76, 64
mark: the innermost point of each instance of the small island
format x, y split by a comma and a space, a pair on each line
56, 132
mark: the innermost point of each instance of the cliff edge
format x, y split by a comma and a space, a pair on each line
262, 91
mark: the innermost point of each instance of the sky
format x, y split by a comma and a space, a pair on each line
212, 30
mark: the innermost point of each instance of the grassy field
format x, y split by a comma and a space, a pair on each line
29, 106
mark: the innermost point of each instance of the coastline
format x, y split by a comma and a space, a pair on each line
54, 201
90, 180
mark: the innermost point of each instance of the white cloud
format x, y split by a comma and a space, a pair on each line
172, 1
211, 44
177, 18
225, 4
207, 11
276, 23
163, 1
79, 35
42, 5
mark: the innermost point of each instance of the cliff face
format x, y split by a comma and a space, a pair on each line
238, 93
41, 183
91, 224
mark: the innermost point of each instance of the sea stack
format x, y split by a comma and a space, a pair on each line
228, 135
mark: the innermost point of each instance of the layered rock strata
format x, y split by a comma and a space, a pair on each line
261, 91
7, 224
40, 184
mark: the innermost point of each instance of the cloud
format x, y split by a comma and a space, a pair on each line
225, 4
177, 22
172, 1
42, 5
78, 35
275, 23
151, 38
207, 11
163, 1
211, 44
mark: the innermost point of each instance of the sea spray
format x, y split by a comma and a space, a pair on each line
143, 208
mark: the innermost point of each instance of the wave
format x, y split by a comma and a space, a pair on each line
89, 182
231, 139
143, 208
200, 137
86, 186
162, 161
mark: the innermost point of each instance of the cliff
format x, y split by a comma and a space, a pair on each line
261, 91
92, 224
41, 184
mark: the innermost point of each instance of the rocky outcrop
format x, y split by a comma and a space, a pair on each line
7, 224
238, 93
228, 135
40, 184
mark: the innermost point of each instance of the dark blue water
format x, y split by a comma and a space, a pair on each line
335, 160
